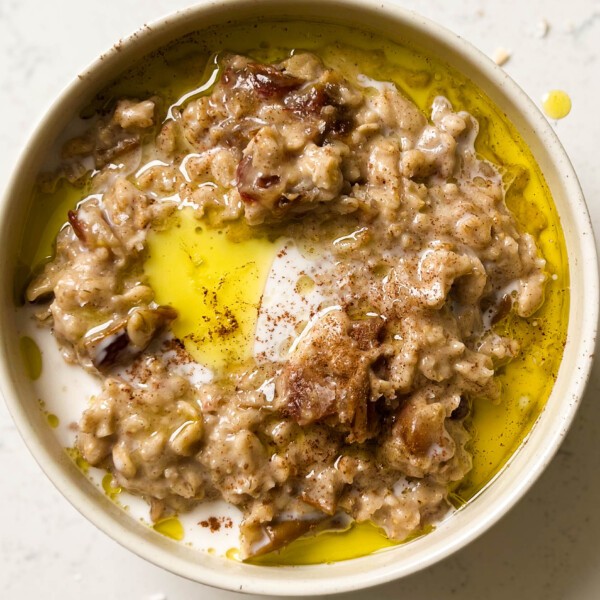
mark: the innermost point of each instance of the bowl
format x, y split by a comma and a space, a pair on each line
525, 465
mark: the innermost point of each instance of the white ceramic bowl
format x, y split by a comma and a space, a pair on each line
525, 465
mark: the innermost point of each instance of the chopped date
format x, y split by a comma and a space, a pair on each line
247, 197
503, 309
242, 169
273, 535
461, 411
110, 351
282, 202
241, 174
265, 80
77, 225
114, 344
307, 103
248, 189
340, 126
103, 156
338, 121
266, 181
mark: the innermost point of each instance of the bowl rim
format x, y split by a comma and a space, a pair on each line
253, 579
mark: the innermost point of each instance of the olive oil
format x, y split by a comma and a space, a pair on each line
330, 546
171, 528
46, 217
53, 420
31, 357
82, 464
109, 490
215, 282
556, 104
184, 261
233, 554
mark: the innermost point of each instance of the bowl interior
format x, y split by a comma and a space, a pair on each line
525, 465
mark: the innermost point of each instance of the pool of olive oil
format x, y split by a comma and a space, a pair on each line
214, 281
496, 429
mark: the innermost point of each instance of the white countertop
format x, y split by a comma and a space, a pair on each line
547, 548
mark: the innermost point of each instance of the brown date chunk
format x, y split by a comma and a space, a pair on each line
264, 80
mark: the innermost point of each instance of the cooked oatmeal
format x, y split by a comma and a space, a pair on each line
364, 415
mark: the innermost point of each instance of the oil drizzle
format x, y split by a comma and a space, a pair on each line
330, 546
171, 528
31, 357
359, 539
214, 281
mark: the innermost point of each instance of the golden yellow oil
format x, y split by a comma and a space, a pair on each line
171, 528
556, 104
109, 490
82, 464
359, 539
53, 420
214, 281
31, 357
233, 554
330, 546
47, 215
496, 429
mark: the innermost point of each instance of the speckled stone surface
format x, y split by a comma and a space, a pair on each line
548, 547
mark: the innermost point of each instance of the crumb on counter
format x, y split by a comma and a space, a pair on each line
501, 55
542, 28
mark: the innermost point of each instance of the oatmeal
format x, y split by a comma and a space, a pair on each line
363, 415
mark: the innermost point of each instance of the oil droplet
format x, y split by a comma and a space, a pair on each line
31, 357
233, 554
109, 490
359, 539
171, 528
214, 281
76, 457
52, 420
556, 104
305, 285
